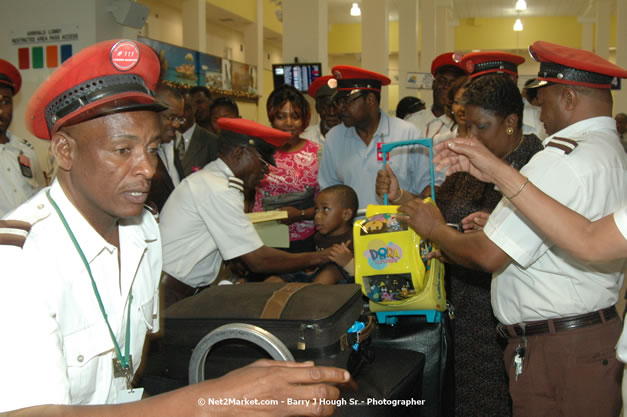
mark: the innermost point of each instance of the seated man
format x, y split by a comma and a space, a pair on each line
203, 222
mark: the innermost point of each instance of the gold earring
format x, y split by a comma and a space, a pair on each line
509, 131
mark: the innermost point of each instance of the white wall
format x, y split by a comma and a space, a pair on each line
88, 18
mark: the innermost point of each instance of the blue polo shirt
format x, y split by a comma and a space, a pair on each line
347, 160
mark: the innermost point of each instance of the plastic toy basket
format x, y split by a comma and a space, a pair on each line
391, 259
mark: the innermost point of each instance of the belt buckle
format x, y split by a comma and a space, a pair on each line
502, 330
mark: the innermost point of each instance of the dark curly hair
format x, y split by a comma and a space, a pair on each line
409, 105
347, 197
496, 93
282, 95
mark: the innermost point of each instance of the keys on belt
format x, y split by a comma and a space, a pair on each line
519, 356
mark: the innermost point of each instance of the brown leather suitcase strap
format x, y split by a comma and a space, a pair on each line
275, 304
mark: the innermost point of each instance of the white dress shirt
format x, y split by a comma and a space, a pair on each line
56, 345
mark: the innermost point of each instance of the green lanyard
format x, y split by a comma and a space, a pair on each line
124, 360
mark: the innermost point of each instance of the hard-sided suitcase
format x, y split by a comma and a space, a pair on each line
312, 320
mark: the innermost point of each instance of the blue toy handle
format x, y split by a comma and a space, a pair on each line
387, 147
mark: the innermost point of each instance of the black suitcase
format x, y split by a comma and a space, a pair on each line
310, 319
389, 386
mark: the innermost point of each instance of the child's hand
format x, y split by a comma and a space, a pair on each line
341, 254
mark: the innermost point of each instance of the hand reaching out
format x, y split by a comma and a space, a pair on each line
475, 222
277, 382
468, 155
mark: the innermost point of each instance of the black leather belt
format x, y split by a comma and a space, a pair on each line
557, 325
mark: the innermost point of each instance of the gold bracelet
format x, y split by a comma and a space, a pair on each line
519, 190
397, 199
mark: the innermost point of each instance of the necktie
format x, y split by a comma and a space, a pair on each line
180, 148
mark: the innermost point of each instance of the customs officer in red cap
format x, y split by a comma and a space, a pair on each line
445, 68
482, 63
322, 92
352, 155
21, 173
203, 222
82, 258
556, 312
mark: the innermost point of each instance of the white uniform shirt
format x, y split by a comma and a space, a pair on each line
430, 124
56, 346
543, 281
347, 160
15, 187
313, 134
531, 121
620, 217
202, 223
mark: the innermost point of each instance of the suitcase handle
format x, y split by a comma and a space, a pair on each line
261, 337
386, 148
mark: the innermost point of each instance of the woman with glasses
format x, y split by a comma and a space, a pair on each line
292, 184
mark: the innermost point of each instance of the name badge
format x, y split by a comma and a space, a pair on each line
379, 153
24, 162
129, 395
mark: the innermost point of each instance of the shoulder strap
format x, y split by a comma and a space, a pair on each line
566, 145
275, 304
14, 232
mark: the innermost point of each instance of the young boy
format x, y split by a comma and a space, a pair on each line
335, 208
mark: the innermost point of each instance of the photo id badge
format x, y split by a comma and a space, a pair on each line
379, 153
129, 395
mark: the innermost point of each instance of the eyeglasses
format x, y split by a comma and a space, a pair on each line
343, 101
263, 161
172, 119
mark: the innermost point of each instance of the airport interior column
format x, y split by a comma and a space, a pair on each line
620, 96
427, 38
407, 45
603, 28
587, 32
305, 32
375, 40
195, 26
253, 50
442, 17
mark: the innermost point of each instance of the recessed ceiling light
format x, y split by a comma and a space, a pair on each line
355, 10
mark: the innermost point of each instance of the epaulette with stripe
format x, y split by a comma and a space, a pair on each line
236, 183
14, 232
566, 145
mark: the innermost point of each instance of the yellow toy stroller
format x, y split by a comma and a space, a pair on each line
391, 259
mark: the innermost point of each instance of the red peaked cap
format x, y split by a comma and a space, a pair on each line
320, 87
564, 65
447, 59
246, 132
10, 76
486, 62
109, 77
354, 78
